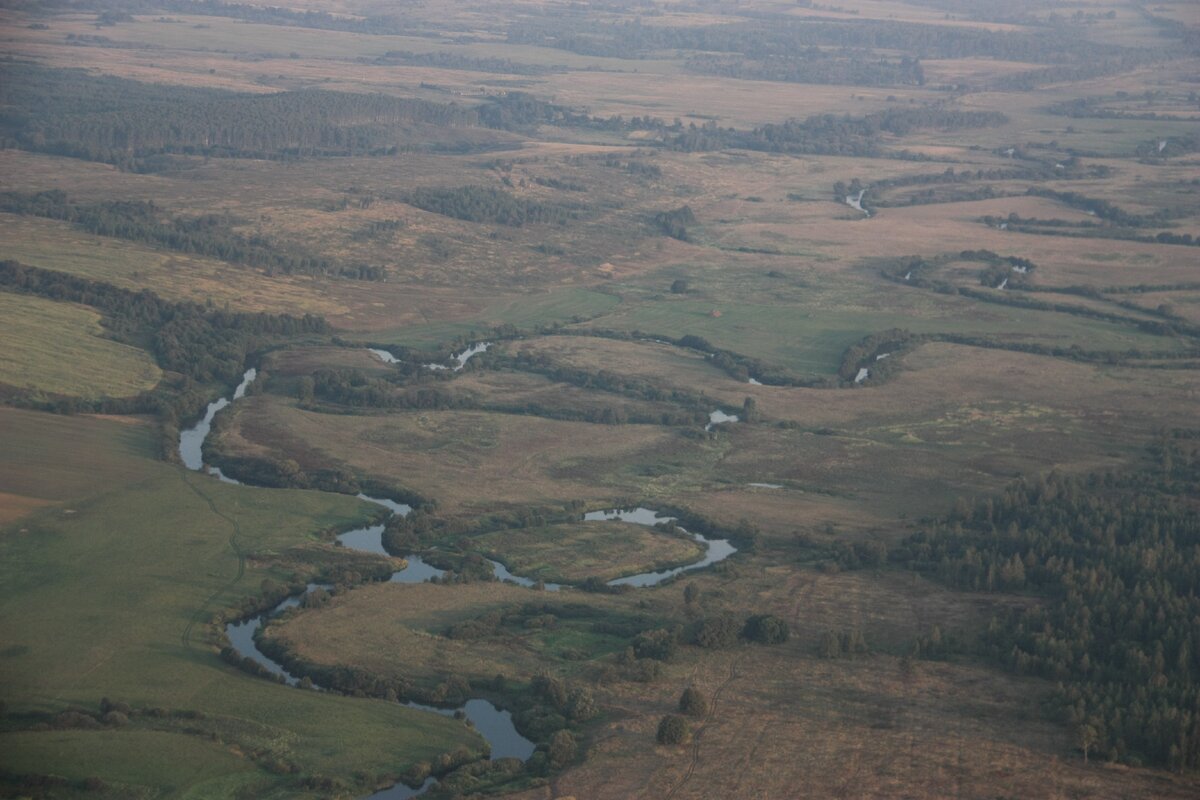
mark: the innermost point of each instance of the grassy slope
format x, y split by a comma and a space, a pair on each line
121, 576
57, 347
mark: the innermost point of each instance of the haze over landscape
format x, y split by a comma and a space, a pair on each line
622, 399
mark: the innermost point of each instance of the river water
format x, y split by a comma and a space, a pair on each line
715, 549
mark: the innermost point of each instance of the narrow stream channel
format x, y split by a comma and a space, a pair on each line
493, 724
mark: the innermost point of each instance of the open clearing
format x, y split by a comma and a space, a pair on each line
59, 348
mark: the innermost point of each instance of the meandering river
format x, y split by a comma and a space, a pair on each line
495, 725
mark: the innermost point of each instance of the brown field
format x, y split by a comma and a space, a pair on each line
397, 631
514, 391
465, 460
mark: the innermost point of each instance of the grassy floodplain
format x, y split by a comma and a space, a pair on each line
128, 575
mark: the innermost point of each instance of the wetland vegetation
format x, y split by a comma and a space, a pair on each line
608, 401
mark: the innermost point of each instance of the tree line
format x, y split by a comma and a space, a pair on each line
830, 134
201, 345
861, 68
210, 235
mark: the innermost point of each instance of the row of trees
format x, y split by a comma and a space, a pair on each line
207, 235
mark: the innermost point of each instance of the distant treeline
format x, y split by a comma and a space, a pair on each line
829, 134
1092, 108
486, 204
783, 37
1102, 208
1115, 560
1084, 230
1112, 222
444, 60
815, 66
1099, 67
1036, 171
129, 123
138, 126
118, 10
207, 235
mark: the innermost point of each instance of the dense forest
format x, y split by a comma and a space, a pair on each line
1114, 561
124, 122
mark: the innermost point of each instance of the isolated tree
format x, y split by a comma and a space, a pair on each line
672, 730
693, 703
749, 410
1088, 738
691, 594
679, 286
831, 645
304, 389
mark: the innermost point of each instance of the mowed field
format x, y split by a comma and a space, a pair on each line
127, 570
60, 348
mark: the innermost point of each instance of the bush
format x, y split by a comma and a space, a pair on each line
581, 704
693, 703
766, 629
561, 750
715, 633
673, 730
657, 644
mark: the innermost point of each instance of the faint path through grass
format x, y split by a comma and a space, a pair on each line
712, 710
236, 531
